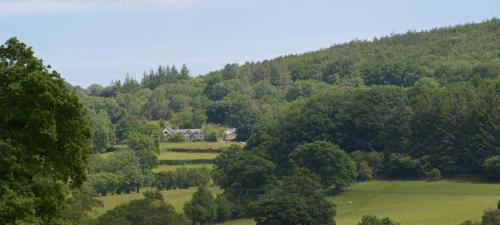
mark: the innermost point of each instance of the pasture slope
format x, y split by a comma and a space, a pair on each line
444, 202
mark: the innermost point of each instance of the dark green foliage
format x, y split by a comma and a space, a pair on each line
104, 182
201, 209
434, 174
125, 164
102, 131
152, 210
454, 127
45, 140
81, 205
369, 164
491, 217
181, 178
224, 208
236, 111
373, 220
298, 200
212, 132
304, 89
402, 166
243, 176
492, 167
326, 160
176, 137
146, 148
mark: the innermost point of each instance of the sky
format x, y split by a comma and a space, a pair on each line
97, 41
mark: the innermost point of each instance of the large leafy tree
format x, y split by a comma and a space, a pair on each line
44, 139
328, 161
298, 200
146, 148
102, 132
243, 176
202, 208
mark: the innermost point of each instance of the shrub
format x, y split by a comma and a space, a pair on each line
212, 132
373, 220
176, 137
374, 160
365, 172
492, 167
434, 174
403, 166
491, 217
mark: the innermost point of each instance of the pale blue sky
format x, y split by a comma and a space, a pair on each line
96, 41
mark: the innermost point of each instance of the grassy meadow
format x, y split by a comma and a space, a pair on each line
175, 197
196, 145
186, 156
413, 202
446, 202
172, 168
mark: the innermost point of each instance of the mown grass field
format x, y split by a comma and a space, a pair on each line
196, 145
186, 155
413, 202
175, 167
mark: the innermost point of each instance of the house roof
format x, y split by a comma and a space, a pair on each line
170, 130
230, 131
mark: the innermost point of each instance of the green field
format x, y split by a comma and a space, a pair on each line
186, 156
413, 202
417, 202
175, 197
409, 202
175, 167
196, 145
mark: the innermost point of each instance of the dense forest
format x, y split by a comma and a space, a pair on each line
239, 96
419, 105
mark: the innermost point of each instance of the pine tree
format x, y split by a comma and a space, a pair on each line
184, 72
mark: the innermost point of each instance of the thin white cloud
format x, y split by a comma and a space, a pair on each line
151, 4
36, 7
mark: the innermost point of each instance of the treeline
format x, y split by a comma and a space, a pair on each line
453, 128
242, 95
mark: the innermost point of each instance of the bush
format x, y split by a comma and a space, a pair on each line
491, 217
212, 132
492, 167
434, 174
403, 166
365, 172
176, 137
373, 160
373, 220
